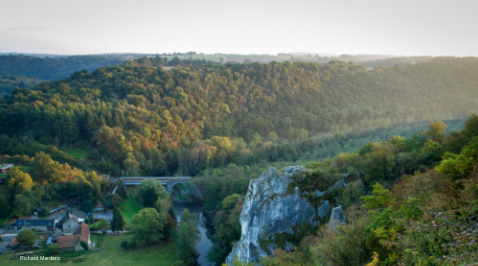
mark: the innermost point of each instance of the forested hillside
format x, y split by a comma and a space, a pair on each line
407, 202
52, 68
8, 83
144, 120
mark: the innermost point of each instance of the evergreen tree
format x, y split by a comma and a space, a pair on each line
118, 223
172, 213
4, 208
187, 236
121, 190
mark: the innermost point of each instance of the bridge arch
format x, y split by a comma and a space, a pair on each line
167, 182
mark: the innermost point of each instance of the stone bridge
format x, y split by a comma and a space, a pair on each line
167, 181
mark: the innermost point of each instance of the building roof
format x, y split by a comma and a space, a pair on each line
84, 232
35, 222
78, 213
67, 241
6, 166
13, 243
57, 232
39, 209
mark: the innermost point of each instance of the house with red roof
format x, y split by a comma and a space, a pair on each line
73, 242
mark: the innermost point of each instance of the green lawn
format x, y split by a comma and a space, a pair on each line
77, 152
27, 169
111, 254
128, 209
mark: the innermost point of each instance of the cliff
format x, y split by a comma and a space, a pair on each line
273, 211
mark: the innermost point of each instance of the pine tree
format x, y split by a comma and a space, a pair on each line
121, 191
4, 208
172, 213
118, 223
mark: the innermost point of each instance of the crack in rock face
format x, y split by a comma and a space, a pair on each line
269, 209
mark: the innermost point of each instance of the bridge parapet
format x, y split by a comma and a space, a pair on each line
167, 181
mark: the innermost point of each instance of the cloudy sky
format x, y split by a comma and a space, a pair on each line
404, 27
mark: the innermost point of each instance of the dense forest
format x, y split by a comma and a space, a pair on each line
52, 68
143, 120
226, 123
8, 83
415, 203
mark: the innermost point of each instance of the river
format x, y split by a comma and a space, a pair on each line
205, 227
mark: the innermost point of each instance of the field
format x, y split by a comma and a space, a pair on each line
111, 254
77, 152
128, 209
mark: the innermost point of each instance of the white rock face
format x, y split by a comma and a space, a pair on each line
269, 209
337, 217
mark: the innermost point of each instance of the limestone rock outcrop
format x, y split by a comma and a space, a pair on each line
272, 207
337, 217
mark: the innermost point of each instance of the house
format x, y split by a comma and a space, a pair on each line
37, 211
42, 225
81, 215
84, 232
73, 242
14, 244
72, 219
54, 236
70, 225
4, 168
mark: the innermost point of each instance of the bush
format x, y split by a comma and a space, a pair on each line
100, 224
45, 212
132, 244
87, 206
26, 237
124, 244
84, 245
116, 200
52, 249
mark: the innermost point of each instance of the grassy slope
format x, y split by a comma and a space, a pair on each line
128, 209
77, 152
112, 254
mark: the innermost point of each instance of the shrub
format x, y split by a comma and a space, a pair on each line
116, 200
26, 237
100, 224
132, 244
45, 212
84, 245
52, 249
124, 244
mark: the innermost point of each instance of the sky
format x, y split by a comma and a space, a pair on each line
404, 27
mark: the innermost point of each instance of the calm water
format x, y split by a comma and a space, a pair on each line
205, 227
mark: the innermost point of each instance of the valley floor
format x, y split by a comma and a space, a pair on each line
111, 254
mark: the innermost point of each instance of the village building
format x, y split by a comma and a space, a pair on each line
70, 225
72, 220
14, 244
37, 210
4, 168
42, 225
73, 242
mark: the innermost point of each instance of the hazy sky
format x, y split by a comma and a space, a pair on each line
404, 27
